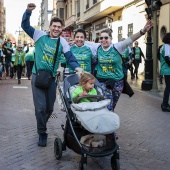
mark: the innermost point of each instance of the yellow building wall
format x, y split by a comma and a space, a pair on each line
164, 20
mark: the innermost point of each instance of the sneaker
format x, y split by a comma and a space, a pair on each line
165, 108
42, 139
19, 81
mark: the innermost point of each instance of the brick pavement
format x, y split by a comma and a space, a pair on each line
143, 135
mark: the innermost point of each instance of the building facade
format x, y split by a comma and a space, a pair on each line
46, 14
124, 17
2, 19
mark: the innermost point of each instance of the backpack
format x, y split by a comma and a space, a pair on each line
158, 52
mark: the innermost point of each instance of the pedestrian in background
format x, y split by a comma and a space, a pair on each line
136, 57
7, 51
29, 59
96, 40
13, 68
45, 47
1, 70
158, 57
165, 70
127, 59
19, 62
1, 54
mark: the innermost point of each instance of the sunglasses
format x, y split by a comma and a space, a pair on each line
106, 38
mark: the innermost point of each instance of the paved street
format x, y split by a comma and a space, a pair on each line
144, 134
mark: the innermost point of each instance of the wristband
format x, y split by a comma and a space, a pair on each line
142, 33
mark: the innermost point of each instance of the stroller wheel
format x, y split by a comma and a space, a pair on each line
115, 164
83, 167
58, 148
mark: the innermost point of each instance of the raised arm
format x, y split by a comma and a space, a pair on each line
146, 28
25, 24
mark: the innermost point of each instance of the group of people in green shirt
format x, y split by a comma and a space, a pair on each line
22, 55
106, 57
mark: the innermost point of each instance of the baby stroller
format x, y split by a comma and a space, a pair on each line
79, 129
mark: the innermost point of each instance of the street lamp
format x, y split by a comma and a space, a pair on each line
156, 5
147, 83
19, 33
150, 81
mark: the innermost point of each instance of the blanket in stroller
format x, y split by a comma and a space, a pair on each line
95, 117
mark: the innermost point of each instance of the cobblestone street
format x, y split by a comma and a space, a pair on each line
143, 135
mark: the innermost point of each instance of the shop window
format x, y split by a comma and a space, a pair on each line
78, 8
87, 5
130, 29
62, 13
94, 1
163, 31
119, 33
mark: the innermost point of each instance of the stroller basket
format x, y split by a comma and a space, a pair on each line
110, 144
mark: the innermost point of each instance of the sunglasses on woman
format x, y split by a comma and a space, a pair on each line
106, 38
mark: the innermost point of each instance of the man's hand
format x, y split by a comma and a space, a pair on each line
78, 71
31, 6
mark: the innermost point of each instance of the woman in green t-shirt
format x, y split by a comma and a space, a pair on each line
109, 69
82, 52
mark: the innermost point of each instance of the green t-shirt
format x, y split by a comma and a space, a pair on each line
62, 59
29, 56
84, 57
137, 53
13, 55
165, 68
79, 90
19, 58
45, 58
109, 64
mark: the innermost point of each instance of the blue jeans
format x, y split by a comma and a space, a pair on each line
44, 103
167, 90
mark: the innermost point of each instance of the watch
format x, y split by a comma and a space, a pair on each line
142, 33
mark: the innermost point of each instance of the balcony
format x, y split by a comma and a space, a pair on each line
70, 21
104, 8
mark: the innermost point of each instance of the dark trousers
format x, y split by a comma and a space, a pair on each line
136, 64
131, 70
167, 90
29, 65
44, 103
12, 70
7, 67
19, 71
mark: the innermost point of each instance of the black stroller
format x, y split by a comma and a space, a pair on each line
73, 129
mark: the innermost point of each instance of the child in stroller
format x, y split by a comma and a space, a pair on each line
86, 122
86, 87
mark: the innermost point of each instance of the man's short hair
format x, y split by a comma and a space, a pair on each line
56, 19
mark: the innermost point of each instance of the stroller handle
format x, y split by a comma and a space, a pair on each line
94, 98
